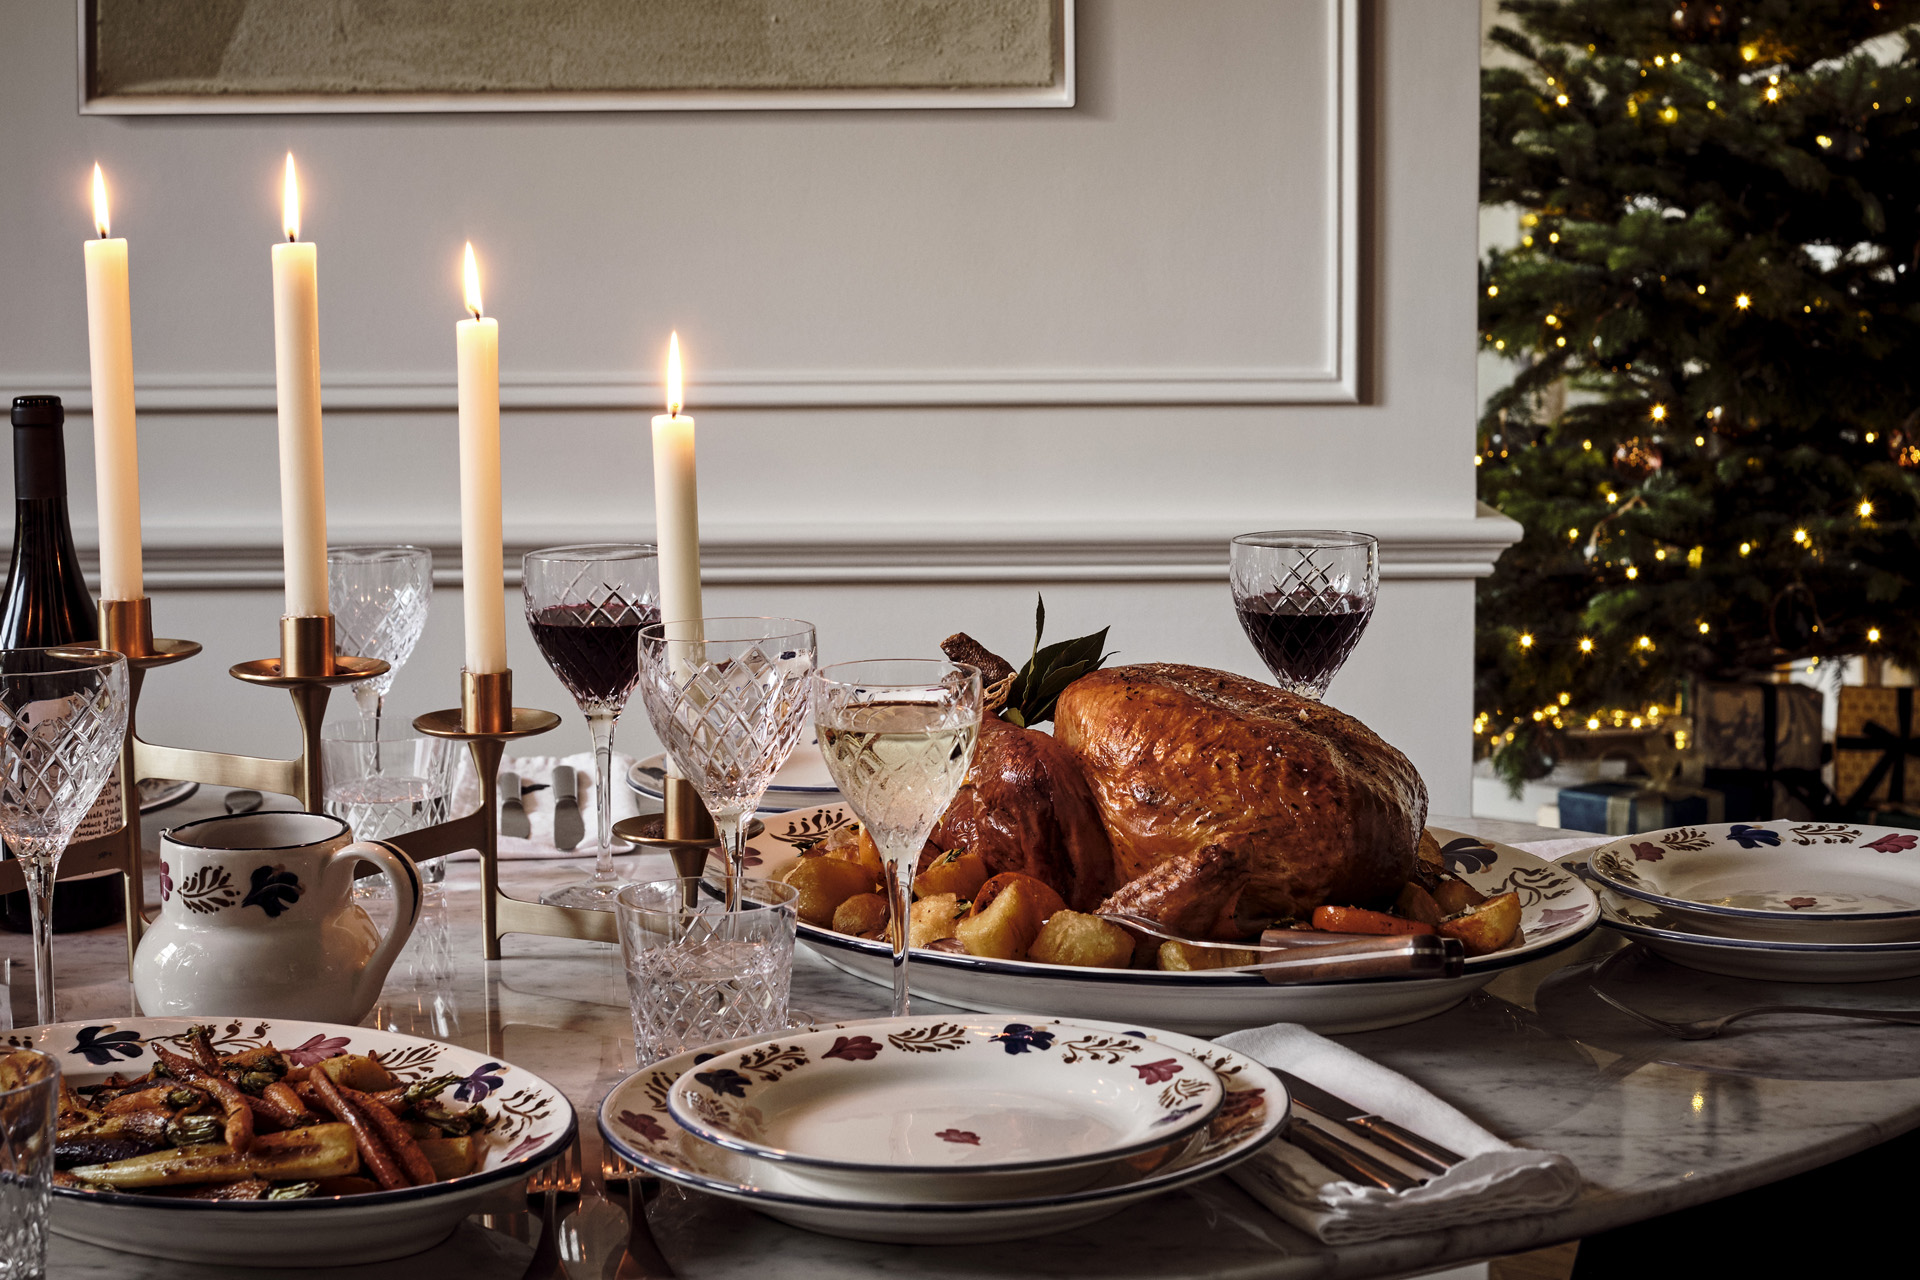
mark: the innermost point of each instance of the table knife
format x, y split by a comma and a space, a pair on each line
1384, 1133
513, 814
1423, 955
1343, 1157
568, 829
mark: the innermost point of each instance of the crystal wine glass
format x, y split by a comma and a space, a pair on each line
63, 716
729, 698
1304, 596
379, 599
585, 606
898, 734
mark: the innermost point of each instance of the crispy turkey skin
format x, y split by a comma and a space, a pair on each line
1180, 758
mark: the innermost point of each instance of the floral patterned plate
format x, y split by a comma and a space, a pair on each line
635, 1122
940, 1108
1556, 910
533, 1124
1782, 881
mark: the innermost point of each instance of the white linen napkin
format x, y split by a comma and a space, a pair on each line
538, 770
1496, 1180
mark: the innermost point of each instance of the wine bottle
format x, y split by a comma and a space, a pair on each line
46, 602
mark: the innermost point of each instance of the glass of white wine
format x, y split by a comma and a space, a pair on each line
898, 735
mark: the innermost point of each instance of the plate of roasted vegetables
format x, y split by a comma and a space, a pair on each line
1007, 942
279, 1142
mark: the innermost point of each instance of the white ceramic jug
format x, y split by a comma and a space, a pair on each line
257, 920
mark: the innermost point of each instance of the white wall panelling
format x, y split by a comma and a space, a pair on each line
940, 359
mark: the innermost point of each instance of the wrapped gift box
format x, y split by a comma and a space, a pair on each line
1761, 746
1628, 808
1876, 757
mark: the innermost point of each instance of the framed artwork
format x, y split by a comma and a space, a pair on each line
240, 57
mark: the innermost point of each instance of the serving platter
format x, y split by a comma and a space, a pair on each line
1782, 881
635, 1122
945, 1108
534, 1124
1767, 960
1557, 909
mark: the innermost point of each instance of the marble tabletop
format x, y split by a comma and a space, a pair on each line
1653, 1125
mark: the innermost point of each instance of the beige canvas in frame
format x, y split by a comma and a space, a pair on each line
187, 57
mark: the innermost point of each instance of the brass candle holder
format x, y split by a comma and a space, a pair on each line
486, 720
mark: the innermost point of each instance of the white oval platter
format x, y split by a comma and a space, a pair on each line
946, 1107
1557, 910
635, 1122
536, 1124
1784, 881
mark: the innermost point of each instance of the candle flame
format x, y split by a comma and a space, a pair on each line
290, 203
673, 375
99, 202
473, 283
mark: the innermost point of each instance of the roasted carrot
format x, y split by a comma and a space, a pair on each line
372, 1150
1360, 920
288, 1101
405, 1149
239, 1132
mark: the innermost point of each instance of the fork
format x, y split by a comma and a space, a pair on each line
1708, 1028
547, 1189
642, 1259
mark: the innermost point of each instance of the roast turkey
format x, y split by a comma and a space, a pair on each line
1182, 758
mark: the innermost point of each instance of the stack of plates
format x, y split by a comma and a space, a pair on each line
802, 783
1780, 901
945, 1129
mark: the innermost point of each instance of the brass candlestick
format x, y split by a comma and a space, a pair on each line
486, 720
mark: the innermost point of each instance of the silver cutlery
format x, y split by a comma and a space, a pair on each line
642, 1259
548, 1191
1271, 940
1708, 1028
1422, 1152
513, 812
244, 801
1343, 1157
1324, 957
568, 829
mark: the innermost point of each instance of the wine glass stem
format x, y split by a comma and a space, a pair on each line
900, 911
40, 917
600, 724
732, 830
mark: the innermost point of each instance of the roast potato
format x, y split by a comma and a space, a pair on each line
1038, 894
1486, 927
1010, 922
1181, 958
932, 919
824, 883
956, 871
1415, 903
1084, 941
862, 914
1455, 896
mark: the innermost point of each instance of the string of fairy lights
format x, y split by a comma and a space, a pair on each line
1553, 338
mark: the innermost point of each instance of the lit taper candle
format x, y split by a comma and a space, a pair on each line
481, 572
116, 449
676, 506
296, 366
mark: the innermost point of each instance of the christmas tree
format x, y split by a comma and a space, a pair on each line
1713, 435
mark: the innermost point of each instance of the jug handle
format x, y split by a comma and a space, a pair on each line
407, 893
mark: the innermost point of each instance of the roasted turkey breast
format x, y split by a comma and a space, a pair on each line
1182, 757
1026, 807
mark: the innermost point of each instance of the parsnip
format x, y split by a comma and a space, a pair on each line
317, 1151
453, 1157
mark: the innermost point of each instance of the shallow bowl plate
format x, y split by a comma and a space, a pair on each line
536, 1123
1781, 881
1556, 910
948, 1108
635, 1122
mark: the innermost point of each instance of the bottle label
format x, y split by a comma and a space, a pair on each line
104, 817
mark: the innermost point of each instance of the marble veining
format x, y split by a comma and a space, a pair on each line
1653, 1124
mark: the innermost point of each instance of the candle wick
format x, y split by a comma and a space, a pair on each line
292, 238
474, 312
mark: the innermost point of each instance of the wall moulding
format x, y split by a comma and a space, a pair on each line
247, 558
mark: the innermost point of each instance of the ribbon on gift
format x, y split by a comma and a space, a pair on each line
1804, 785
1894, 746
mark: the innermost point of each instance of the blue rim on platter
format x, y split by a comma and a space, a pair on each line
1753, 835
106, 1044
1176, 1174
1535, 879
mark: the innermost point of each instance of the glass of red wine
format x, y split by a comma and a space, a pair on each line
1304, 596
585, 606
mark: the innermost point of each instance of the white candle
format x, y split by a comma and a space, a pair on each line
481, 573
676, 507
296, 365
116, 450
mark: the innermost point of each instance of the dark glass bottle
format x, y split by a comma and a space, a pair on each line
47, 603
